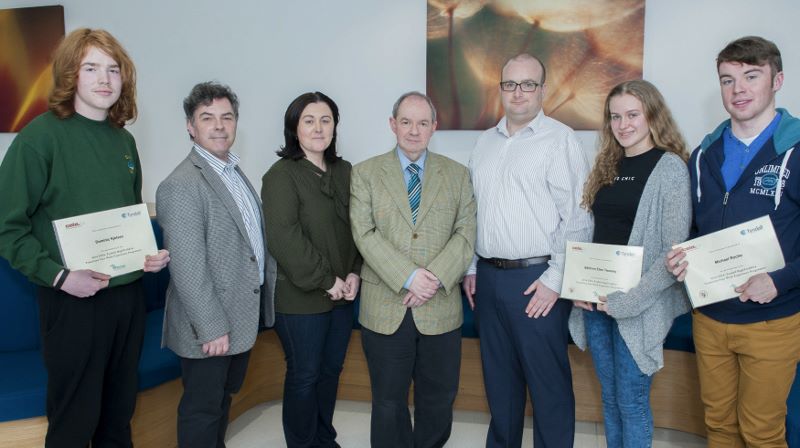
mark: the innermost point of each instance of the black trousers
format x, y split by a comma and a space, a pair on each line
91, 351
208, 386
433, 363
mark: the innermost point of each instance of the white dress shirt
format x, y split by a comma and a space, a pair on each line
528, 187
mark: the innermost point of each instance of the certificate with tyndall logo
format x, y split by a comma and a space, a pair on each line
721, 261
592, 270
113, 242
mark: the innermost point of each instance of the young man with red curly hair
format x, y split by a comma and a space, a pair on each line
74, 159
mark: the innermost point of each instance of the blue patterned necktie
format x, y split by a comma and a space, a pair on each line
414, 190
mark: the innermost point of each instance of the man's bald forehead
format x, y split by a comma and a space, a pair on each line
525, 57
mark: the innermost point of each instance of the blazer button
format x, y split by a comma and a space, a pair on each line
253, 258
414, 236
256, 291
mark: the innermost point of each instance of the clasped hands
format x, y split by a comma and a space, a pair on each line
345, 289
422, 288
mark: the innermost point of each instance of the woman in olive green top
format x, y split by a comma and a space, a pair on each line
306, 196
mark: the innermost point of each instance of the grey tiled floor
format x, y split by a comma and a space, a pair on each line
261, 428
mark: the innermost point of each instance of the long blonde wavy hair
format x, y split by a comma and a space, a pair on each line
663, 130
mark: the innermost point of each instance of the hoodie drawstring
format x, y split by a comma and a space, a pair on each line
697, 168
779, 187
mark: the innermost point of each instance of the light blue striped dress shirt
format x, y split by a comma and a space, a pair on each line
404, 163
245, 201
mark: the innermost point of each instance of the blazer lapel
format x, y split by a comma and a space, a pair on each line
396, 186
222, 191
431, 184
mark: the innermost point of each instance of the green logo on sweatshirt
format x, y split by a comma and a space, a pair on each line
131, 165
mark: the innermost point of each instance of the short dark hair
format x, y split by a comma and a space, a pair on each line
291, 148
205, 93
403, 97
752, 50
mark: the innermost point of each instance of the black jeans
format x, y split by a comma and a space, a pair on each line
433, 363
315, 346
91, 351
208, 386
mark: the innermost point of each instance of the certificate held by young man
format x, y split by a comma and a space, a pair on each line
113, 242
592, 270
721, 261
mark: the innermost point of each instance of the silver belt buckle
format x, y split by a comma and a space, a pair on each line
537, 260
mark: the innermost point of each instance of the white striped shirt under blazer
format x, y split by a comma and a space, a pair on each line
528, 187
245, 201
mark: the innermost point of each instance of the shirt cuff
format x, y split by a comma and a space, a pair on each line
473, 266
410, 279
552, 280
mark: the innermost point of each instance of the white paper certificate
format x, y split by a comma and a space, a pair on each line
723, 260
592, 270
113, 242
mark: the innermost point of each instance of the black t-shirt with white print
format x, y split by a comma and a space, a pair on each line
615, 205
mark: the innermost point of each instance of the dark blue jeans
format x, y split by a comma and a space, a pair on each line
625, 390
315, 346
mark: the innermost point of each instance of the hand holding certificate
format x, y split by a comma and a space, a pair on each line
112, 242
592, 270
721, 261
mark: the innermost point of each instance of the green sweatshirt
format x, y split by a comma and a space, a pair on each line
55, 169
307, 220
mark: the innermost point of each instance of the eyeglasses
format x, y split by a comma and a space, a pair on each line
526, 86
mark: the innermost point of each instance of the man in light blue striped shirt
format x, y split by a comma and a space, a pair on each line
222, 275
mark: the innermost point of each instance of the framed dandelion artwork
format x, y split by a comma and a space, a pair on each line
587, 47
28, 37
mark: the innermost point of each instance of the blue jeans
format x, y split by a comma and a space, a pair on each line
625, 389
315, 346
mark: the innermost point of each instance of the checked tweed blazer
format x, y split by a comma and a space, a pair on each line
443, 240
214, 279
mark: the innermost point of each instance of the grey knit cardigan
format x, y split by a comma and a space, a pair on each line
644, 314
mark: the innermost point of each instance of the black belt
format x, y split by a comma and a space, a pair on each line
502, 263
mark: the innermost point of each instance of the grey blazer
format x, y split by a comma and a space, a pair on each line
214, 280
644, 314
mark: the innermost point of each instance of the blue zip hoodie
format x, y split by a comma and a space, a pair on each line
758, 192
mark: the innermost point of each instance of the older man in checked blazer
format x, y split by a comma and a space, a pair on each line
222, 277
413, 219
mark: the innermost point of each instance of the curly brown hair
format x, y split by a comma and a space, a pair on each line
66, 64
663, 130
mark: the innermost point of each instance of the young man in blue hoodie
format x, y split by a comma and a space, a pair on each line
748, 346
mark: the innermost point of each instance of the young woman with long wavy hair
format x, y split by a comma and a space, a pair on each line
638, 194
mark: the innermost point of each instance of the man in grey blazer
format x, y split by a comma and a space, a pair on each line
222, 276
